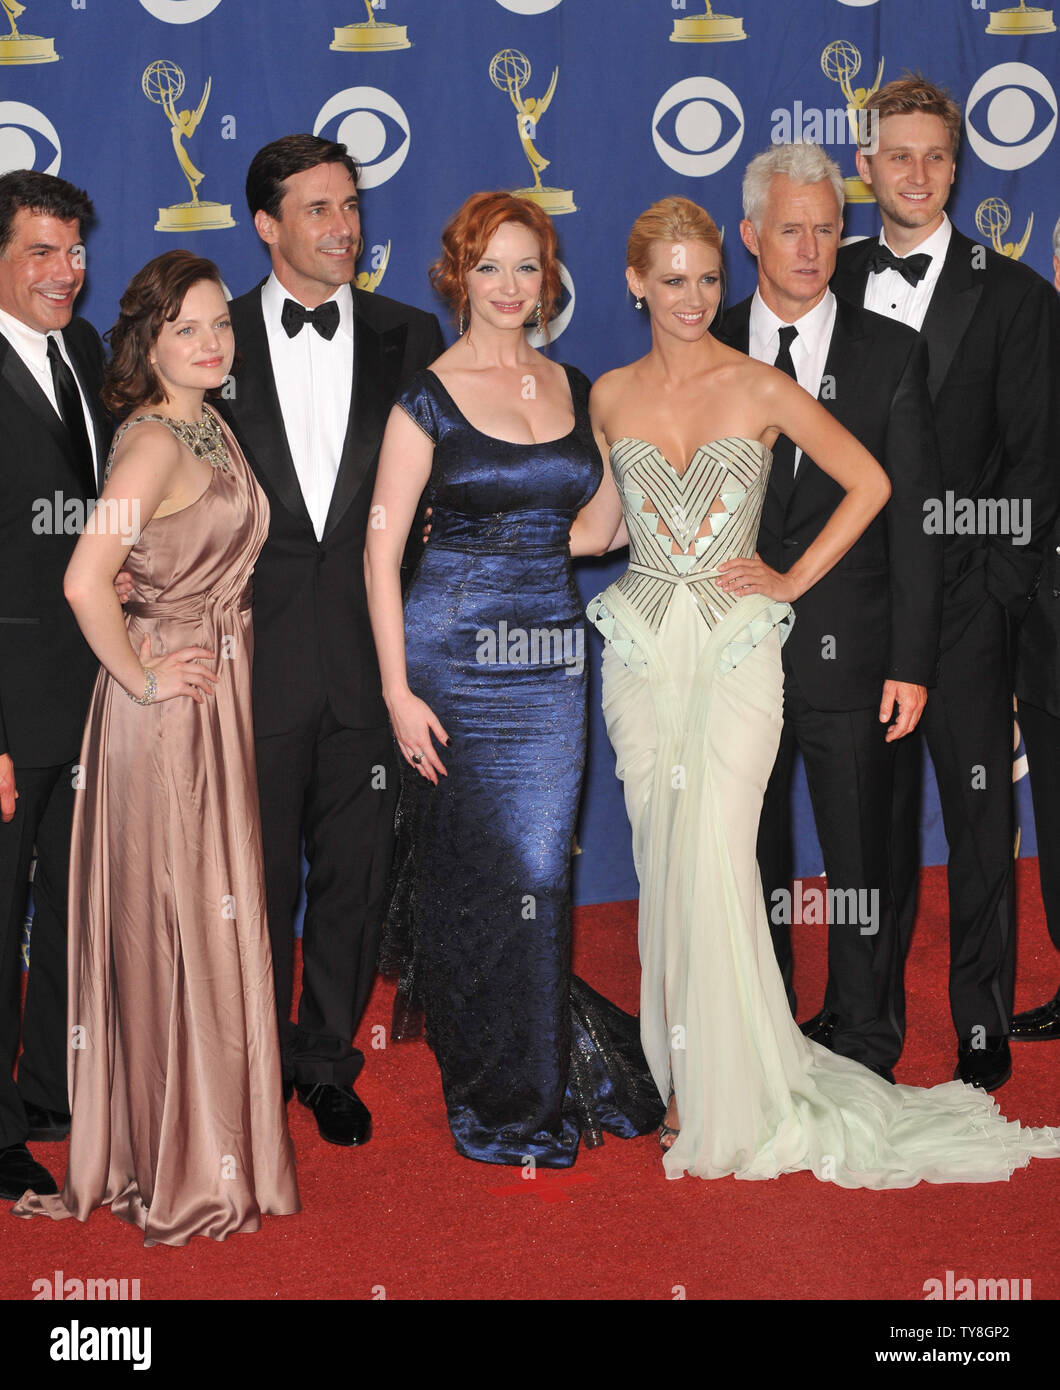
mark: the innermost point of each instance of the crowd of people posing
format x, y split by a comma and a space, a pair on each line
274, 657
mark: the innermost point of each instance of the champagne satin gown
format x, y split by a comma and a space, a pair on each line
692, 695
178, 1120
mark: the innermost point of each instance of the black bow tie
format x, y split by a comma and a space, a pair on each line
910, 268
325, 319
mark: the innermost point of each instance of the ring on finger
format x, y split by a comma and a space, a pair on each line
417, 758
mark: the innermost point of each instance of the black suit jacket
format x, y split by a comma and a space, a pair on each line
993, 335
880, 603
312, 638
46, 668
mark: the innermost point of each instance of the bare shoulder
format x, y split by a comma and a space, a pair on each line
149, 442
611, 387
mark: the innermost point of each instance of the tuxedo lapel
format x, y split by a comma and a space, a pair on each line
88, 378
377, 359
735, 331
257, 409
18, 378
735, 327
952, 305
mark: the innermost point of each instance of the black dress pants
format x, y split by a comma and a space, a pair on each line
967, 725
849, 773
43, 815
334, 789
1041, 735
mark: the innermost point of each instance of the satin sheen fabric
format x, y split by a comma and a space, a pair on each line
531, 1060
695, 734
177, 1113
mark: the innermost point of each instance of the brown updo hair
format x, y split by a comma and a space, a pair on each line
153, 297
468, 233
671, 220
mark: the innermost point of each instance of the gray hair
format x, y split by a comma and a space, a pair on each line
1056, 238
801, 162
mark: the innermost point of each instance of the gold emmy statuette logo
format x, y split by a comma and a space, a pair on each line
841, 61
510, 72
993, 217
18, 48
370, 279
372, 37
1021, 19
708, 28
163, 83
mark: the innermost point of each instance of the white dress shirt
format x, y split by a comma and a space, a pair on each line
888, 293
32, 348
809, 351
314, 377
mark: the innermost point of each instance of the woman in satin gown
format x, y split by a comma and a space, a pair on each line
177, 1113
692, 695
484, 680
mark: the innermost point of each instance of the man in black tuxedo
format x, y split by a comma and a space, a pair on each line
1038, 693
321, 365
991, 329
55, 438
864, 645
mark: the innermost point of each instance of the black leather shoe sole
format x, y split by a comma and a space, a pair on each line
820, 1028
1037, 1025
19, 1170
987, 1068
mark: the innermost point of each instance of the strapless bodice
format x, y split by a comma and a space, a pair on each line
681, 527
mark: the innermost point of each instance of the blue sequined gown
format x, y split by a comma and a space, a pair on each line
479, 922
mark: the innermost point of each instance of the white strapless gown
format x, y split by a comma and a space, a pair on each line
692, 691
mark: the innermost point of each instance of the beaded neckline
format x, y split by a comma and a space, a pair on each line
203, 437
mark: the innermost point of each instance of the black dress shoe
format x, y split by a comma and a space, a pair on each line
821, 1027
1037, 1025
19, 1170
986, 1067
885, 1072
342, 1117
46, 1125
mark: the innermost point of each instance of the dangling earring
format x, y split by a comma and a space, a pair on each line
638, 304
538, 316
461, 324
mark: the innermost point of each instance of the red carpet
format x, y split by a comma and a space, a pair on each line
407, 1218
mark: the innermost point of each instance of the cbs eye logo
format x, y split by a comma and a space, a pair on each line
697, 126
25, 137
372, 126
1010, 116
179, 11
528, 6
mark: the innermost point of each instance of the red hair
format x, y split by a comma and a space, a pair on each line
468, 233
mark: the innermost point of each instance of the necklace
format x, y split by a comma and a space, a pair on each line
203, 438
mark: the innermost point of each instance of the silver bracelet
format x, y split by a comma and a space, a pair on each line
150, 689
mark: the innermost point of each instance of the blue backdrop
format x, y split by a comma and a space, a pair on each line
437, 98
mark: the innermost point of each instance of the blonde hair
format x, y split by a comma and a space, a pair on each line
670, 220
